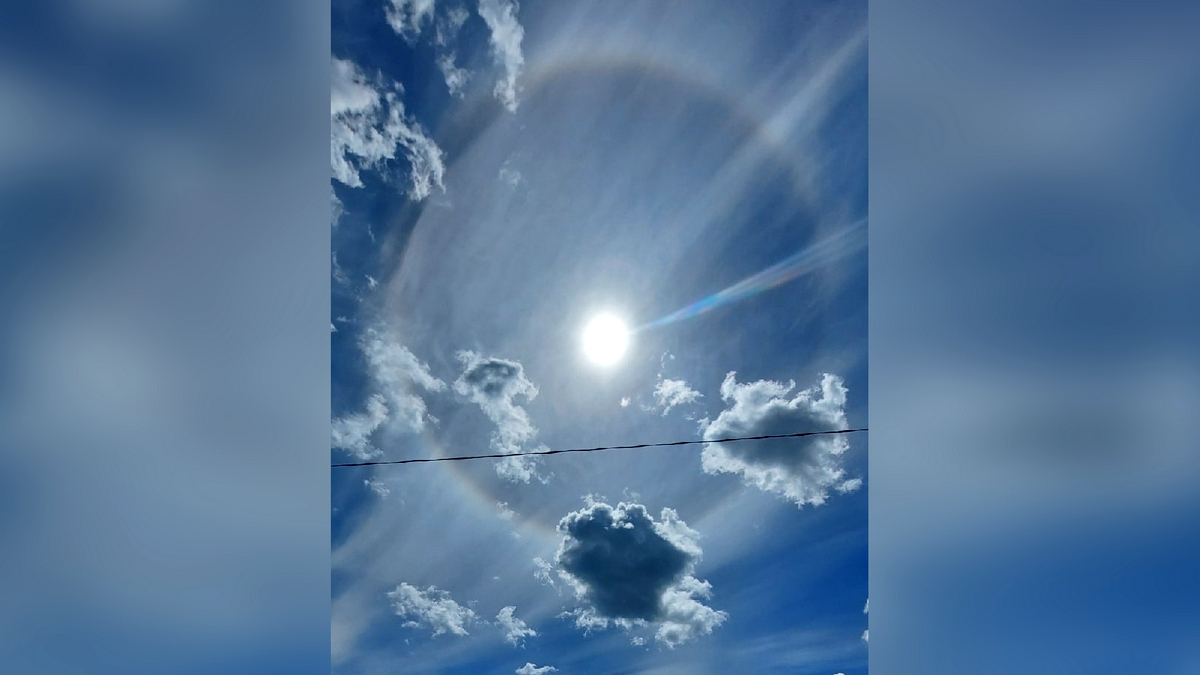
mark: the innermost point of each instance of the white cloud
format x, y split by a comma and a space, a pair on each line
505, 513
494, 384
530, 669
352, 433
406, 17
865, 636
803, 470
449, 24
371, 282
395, 371
630, 570
456, 78
625, 401
867, 607
671, 393
544, 572
378, 487
511, 176
367, 127
432, 609
515, 630
506, 35
336, 208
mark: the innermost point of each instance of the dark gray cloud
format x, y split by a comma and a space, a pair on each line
803, 470
632, 570
494, 385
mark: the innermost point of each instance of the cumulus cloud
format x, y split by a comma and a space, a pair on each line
803, 470
406, 17
865, 635
396, 372
494, 385
630, 570
625, 401
530, 669
431, 609
456, 78
368, 126
506, 35
515, 630
671, 393
352, 433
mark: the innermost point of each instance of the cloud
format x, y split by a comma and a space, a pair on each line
449, 23
336, 208
494, 384
865, 636
367, 127
511, 176
352, 433
867, 607
670, 393
378, 487
530, 669
395, 371
803, 470
406, 17
432, 609
630, 570
625, 401
456, 78
506, 35
503, 511
515, 630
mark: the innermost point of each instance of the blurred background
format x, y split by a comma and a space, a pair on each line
164, 382
1034, 372
164, 360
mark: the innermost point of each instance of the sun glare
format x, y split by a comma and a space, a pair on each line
605, 340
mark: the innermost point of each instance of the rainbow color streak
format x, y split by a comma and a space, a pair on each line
825, 252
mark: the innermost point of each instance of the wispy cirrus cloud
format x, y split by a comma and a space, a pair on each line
456, 78
506, 36
803, 470
407, 16
630, 570
367, 127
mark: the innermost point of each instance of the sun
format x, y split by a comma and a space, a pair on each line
605, 339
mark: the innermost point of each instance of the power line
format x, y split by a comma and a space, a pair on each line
603, 447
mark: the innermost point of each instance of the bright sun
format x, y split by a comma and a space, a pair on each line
605, 340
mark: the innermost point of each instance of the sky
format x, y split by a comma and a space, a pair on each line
501, 175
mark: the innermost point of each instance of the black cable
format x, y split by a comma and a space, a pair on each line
605, 447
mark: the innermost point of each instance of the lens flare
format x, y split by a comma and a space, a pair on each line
825, 252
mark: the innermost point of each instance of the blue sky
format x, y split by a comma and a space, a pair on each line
503, 173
